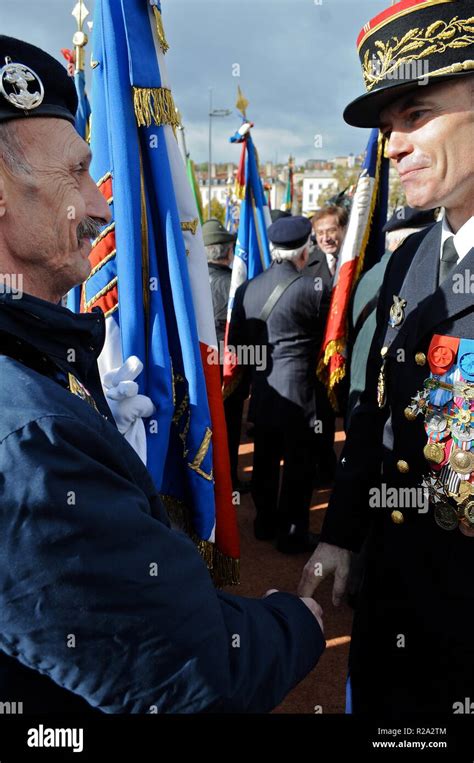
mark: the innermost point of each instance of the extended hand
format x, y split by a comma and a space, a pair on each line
326, 560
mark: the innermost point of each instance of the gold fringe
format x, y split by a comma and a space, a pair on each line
160, 30
223, 569
154, 105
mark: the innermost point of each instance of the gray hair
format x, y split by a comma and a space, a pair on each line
287, 254
12, 153
216, 252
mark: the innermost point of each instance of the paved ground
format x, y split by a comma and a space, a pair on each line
262, 567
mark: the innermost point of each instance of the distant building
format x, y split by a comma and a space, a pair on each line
219, 190
314, 183
318, 164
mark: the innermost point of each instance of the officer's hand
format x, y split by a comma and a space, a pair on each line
466, 529
326, 560
312, 605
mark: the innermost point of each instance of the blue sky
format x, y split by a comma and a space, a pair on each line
298, 67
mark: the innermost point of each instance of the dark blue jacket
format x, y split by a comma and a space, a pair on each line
84, 620
284, 388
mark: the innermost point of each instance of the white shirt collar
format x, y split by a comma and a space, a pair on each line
464, 238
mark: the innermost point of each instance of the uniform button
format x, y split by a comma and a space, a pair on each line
409, 414
420, 359
403, 467
383, 351
397, 517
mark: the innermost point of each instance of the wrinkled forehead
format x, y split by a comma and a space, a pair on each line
51, 139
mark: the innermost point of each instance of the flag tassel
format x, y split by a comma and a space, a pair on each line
160, 30
224, 570
154, 105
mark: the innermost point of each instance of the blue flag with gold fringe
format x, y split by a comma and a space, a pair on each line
140, 277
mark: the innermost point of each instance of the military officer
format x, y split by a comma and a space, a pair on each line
103, 606
405, 479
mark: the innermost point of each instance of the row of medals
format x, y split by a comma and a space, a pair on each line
449, 507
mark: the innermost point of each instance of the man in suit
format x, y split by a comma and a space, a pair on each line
329, 227
405, 479
279, 312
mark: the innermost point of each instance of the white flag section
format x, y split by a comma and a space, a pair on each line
196, 255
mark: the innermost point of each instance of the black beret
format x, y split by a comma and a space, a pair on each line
407, 217
33, 83
289, 232
411, 44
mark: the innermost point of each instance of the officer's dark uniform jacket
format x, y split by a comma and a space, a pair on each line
83, 623
412, 642
283, 390
219, 279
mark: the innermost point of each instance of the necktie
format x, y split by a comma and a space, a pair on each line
449, 259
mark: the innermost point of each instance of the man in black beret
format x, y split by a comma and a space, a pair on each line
279, 312
405, 481
103, 606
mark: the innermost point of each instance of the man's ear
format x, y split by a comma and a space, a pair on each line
3, 196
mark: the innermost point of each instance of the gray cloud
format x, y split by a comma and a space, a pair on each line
298, 67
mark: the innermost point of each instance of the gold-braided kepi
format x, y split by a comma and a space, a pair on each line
411, 44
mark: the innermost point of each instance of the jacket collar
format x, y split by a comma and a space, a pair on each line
53, 329
428, 304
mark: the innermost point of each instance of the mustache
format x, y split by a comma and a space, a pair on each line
88, 228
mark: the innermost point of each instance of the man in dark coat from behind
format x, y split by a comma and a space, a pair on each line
277, 313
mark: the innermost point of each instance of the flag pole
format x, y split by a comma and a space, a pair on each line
80, 38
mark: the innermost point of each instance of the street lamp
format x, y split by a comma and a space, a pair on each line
213, 113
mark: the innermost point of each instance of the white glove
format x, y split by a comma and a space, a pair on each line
127, 406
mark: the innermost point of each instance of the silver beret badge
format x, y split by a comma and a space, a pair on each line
15, 82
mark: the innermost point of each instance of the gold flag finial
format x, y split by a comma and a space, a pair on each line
80, 38
241, 103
